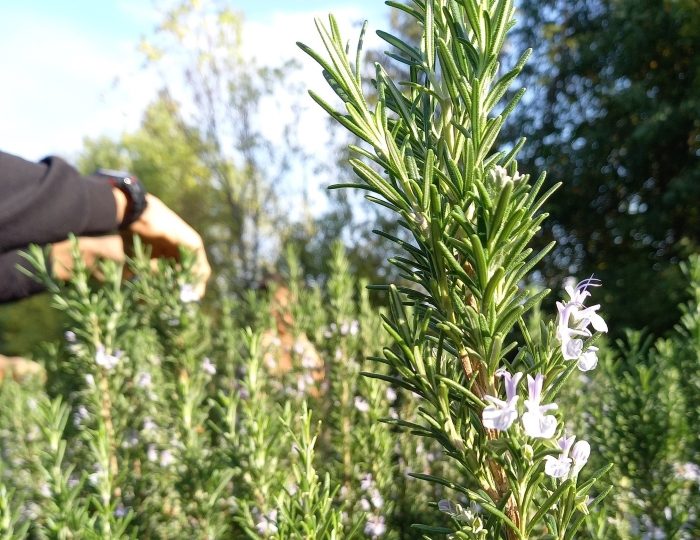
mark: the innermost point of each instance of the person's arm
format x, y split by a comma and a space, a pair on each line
44, 202
13, 283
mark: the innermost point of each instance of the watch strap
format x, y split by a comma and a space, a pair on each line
132, 188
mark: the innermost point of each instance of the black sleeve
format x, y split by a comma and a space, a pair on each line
42, 203
13, 283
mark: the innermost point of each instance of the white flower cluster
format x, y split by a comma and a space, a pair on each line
346, 328
571, 459
106, 360
469, 515
372, 501
500, 415
572, 325
188, 293
499, 177
573, 320
267, 524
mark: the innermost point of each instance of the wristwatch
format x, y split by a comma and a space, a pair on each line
134, 191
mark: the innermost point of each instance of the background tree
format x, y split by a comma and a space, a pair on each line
227, 89
614, 113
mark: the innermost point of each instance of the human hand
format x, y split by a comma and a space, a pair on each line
166, 232
19, 368
91, 249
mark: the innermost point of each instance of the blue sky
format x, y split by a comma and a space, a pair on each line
71, 69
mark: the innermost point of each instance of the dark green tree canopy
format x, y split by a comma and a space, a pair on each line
614, 93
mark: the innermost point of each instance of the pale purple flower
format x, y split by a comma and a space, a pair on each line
308, 361
567, 334
446, 506
366, 482
572, 349
588, 360
188, 293
70, 336
688, 471
349, 328
375, 526
120, 511
500, 415
559, 467
580, 454
376, 498
535, 421
81, 414
90, 380
144, 380
267, 524
208, 367
391, 394
152, 453
573, 320
571, 459
105, 360
166, 458
94, 479
361, 404
500, 177
457, 511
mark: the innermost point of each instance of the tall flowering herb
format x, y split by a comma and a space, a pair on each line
426, 152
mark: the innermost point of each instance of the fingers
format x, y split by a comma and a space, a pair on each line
112, 247
166, 232
91, 250
202, 272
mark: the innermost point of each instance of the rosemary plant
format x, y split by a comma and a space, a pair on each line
428, 154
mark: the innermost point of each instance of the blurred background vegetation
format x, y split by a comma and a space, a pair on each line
612, 110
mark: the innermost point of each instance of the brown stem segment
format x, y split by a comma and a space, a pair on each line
472, 370
106, 413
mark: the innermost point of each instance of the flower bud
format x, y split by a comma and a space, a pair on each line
579, 454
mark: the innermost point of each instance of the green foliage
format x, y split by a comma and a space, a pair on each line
428, 156
684, 353
159, 421
641, 409
307, 511
24, 324
635, 410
